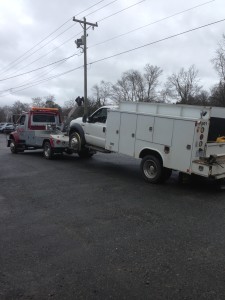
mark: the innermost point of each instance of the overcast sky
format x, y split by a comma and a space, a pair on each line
25, 26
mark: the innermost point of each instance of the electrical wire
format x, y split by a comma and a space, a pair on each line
123, 34
118, 36
152, 23
61, 60
124, 52
120, 11
50, 35
54, 39
158, 41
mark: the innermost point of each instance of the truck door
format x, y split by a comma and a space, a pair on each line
95, 128
127, 133
21, 127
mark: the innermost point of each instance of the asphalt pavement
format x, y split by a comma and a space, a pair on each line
93, 229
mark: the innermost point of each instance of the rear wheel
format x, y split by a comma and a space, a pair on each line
152, 169
48, 151
13, 146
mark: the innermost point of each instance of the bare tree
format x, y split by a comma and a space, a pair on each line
151, 76
38, 102
102, 92
130, 87
136, 84
6, 113
121, 90
218, 94
219, 60
18, 108
2, 115
184, 85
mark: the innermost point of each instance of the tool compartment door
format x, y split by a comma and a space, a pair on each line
112, 131
128, 124
180, 155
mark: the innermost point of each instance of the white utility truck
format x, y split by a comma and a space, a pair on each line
166, 137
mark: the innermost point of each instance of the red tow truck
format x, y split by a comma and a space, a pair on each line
39, 128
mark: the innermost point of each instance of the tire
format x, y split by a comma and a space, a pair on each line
75, 142
13, 146
85, 153
152, 169
48, 151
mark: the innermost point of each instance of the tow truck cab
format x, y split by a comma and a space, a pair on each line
34, 126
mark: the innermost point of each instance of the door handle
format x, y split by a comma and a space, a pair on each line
104, 129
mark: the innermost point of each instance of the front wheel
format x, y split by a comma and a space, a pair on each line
152, 169
48, 151
75, 142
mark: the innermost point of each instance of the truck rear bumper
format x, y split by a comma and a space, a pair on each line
215, 170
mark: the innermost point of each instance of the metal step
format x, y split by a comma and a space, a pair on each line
99, 149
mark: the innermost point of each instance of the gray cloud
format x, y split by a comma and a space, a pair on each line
24, 23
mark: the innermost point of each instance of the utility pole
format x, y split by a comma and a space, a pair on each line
83, 42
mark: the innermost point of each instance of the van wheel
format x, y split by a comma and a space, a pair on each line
152, 169
13, 146
48, 151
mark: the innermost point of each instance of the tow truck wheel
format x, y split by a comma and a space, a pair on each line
152, 169
48, 151
13, 147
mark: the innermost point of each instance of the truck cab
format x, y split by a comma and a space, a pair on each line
94, 127
37, 129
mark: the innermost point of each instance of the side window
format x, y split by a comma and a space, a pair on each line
38, 118
100, 116
22, 120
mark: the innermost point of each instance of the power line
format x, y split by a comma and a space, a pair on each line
51, 34
120, 11
57, 37
152, 23
123, 34
127, 51
157, 21
81, 32
155, 42
42, 80
61, 60
101, 8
